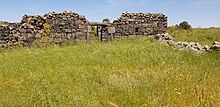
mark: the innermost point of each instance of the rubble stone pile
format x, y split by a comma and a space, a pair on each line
196, 47
140, 24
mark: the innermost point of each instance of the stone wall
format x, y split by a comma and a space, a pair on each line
140, 24
70, 26
10, 35
65, 26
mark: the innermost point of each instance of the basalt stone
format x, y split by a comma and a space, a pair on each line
196, 47
69, 26
141, 23
171, 43
206, 48
215, 46
38, 35
182, 44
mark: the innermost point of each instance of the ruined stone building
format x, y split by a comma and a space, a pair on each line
140, 24
70, 26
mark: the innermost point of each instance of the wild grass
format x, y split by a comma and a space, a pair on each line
126, 73
205, 36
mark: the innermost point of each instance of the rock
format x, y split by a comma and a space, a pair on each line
38, 35
206, 48
215, 46
195, 50
182, 44
106, 21
171, 43
191, 44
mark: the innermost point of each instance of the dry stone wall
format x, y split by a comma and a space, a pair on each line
65, 26
70, 26
9, 35
140, 24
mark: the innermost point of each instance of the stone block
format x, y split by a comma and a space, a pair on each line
111, 30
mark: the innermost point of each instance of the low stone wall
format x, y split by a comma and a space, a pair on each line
192, 46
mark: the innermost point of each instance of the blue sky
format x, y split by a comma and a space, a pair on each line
204, 13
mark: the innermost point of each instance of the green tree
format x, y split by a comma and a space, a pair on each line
185, 25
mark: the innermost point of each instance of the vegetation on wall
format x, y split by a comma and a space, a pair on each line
47, 36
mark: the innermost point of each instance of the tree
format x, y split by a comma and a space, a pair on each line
184, 25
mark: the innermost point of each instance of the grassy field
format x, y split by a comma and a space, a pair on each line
127, 73
205, 36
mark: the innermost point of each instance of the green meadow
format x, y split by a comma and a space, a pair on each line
123, 73
205, 36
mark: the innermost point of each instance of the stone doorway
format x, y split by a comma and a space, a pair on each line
101, 30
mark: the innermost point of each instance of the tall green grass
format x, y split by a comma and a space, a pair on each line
127, 73
205, 36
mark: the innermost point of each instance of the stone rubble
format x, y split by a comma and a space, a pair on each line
196, 47
215, 46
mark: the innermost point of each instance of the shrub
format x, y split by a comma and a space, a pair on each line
46, 36
184, 25
172, 29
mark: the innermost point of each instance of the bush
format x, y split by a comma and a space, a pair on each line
46, 36
172, 29
184, 25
